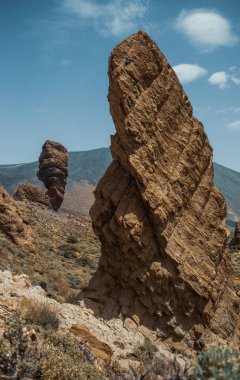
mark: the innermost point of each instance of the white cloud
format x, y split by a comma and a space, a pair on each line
206, 29
219, 79
228, 109
235, 125
188, 73
223, 79
112, 18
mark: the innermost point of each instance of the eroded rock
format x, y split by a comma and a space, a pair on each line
53, 171
14, 221
29, 192
157, 213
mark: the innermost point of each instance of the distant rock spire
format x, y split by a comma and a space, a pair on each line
53, 171
235, 242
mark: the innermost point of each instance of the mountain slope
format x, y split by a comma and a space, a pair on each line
228, 181
87, 167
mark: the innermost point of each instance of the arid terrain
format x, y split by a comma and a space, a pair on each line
148, 286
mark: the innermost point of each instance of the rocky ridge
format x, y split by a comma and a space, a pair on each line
53, 171
158, 215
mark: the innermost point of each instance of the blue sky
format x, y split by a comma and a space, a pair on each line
54, 58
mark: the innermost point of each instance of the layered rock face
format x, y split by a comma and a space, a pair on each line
14, 221
160, 220
53, 171
29, 192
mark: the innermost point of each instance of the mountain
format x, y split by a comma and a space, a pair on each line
87, 167
228, 181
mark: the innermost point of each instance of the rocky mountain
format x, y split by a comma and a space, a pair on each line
87, 167
153, 293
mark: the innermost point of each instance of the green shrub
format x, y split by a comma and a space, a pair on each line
217, 363
85, 261
72, 239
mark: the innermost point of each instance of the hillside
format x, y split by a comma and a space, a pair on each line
87, 167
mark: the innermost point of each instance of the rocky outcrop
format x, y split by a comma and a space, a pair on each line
31, 193
235, 242
14, 221
53, 171
160, 219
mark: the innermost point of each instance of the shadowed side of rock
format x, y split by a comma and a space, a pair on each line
160, 220
53, 171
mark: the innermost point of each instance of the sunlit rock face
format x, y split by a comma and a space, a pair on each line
53, 171
160, 219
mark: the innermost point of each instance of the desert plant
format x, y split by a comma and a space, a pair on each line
85, 261
145, 353
16, 357
50, 356
220, 362
72, 239
39, 313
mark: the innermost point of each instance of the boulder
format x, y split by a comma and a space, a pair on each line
14, 221
29, 192
158, 215
53, 171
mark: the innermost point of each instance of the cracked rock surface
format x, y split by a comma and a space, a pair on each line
157, 213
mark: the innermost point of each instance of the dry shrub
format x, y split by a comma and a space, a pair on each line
51, 356
39, 313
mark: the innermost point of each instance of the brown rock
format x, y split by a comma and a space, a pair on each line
160, 219
100, 349
235, 242
29, 192
53, 164
14, 220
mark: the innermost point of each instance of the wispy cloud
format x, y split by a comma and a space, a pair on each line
188, 73
228, 110
112, 18
235, 125
224, 79
206, 29
220, 79
66, 62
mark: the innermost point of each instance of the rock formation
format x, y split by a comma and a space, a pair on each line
235, 242
29, 192
14, 221
160, 219
53, 171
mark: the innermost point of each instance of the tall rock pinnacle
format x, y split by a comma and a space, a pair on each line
160, 219
53, 171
